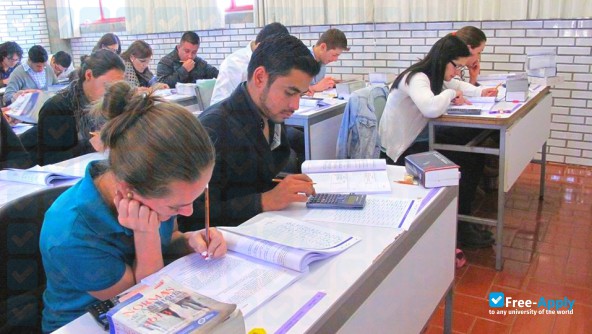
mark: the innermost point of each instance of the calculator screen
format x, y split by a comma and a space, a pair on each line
350, 200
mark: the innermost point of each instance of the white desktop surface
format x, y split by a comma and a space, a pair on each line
12, 190
347, 278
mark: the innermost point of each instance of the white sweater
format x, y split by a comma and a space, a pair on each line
408, 108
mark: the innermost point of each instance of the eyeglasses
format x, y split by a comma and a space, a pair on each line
14, 59
458, 67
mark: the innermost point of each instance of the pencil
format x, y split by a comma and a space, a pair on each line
498, 85
280, 180
207, 216
94, 133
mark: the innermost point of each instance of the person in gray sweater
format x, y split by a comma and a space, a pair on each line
34, 74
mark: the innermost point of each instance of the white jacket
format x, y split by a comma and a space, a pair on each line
232, 72
410, 105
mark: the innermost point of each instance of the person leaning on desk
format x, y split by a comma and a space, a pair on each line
183, 65
423, 91
248, 133
34, 74
65, 125
111, 229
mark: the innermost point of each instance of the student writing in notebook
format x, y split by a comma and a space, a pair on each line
423, 91
112, 229
248, 132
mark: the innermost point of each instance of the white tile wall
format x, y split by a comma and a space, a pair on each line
24, 22
391, 47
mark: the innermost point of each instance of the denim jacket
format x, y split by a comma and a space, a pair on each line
358, 134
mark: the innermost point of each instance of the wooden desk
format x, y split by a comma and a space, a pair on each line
379, 285
321, 128
521, 134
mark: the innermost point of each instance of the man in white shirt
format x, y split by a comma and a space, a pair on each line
327, 50
62, 65
233, 69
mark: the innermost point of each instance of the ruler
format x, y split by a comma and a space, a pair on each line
301, 312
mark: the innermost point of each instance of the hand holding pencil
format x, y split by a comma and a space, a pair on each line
293, 188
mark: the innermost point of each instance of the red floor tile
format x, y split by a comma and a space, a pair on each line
487, 326
476, 281
547, 253
578, 322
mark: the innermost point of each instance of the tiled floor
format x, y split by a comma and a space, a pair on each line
547, 253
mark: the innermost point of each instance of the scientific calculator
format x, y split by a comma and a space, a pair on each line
99, 311
336, 201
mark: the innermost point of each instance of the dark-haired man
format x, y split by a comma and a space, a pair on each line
248, 133
62, 65
31, 75
183, 65
233, 69
327, 50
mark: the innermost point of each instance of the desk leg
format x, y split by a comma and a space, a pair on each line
501, 203
448, 309
543, 171
307, 150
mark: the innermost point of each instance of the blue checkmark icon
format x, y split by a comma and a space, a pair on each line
496, 299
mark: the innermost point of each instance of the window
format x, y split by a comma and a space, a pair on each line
101, 11
238, 5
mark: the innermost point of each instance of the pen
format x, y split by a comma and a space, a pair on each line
207, 215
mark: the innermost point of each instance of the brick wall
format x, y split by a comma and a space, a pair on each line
25, 23
392, 47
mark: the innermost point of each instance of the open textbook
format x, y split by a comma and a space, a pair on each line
26, 107
41, 175
265, 256
348, 175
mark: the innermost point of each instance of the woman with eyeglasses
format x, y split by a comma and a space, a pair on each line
10, 56
108, 41
137, 60
424, 91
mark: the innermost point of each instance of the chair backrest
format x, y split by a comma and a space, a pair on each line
203, 92
22, 278
379, 104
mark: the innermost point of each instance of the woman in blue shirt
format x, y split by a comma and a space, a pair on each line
111, 229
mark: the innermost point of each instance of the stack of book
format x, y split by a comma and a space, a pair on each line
432, 169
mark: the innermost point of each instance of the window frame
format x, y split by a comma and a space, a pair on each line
104, 20
234, 8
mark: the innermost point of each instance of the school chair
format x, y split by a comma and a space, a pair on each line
22, 278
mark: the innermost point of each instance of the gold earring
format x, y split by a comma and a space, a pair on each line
129, 195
